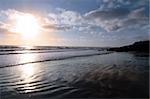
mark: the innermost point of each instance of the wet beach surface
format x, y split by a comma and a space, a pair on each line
112, 75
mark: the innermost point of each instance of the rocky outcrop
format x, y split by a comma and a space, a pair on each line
141, 46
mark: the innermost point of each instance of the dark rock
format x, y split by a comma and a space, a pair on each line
141, 46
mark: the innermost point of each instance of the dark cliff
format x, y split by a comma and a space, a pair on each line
141, 46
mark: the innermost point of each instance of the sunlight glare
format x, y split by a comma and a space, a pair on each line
27, 69
27, 72
27, 25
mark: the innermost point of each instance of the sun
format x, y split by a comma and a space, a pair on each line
26, 25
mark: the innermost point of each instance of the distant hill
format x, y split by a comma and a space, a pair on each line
141, 46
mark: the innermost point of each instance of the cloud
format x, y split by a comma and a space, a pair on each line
9, 19
56, 27
2, 30
131, 4
107, 14
105, 20
115, 19
63, 20
108, 19
112, 4
138, 13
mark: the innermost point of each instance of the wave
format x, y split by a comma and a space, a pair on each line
81, 79
101, 82
9, 52
36, 48
57, 58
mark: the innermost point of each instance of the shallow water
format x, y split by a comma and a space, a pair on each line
73, 73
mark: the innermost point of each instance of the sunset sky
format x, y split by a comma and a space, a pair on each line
73, 22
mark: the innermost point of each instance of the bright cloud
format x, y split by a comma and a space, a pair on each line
111, 21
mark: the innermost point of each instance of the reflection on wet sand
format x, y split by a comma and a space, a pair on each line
27, 71
113, 75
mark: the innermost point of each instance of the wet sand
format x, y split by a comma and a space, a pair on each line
114, 75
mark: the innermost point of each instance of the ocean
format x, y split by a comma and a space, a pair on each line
72, 72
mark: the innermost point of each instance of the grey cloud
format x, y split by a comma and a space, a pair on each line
107, 14
65, 20
111, 4
118, 19
66, 17
57, 27
136, 17
2, 30
138, 13
115, 19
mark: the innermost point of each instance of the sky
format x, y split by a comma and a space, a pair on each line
97, 23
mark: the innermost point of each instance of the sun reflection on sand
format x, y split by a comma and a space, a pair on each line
27, 47
27, 57
27, 72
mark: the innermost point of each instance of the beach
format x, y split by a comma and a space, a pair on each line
62, 72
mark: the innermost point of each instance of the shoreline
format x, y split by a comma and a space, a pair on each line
111, 75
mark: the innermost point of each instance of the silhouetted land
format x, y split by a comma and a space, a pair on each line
141, 46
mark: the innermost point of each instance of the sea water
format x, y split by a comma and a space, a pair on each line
72, 72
